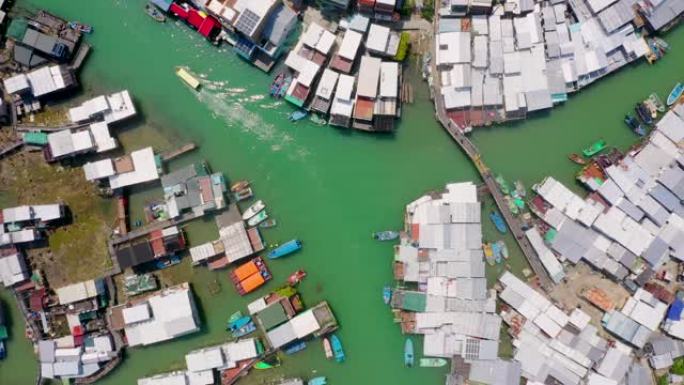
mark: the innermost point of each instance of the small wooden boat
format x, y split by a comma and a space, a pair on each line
386, 294
594, 148
84, 28
675, 94
244, 330
408, 353
651, 108
489, 253
255, 220
238, 323
338, 351
239, 185
318, 120
285, 249
298, 115
385, 235
296, 277
657, 102
327, 349
154, 13
243, 194
504, 249
253, 209
432, 362
284, 86
577, 159
294, 348
234, 317
277, 84
643, 113
187, 78
318, 381
498, 221
503, 185
267, 224
520, 188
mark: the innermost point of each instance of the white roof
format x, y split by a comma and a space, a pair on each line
113, 108
173, 315
304, 324
235, 241
204, 359
16, 83
145, 170
345, 87
47, 213
136, 313
312, 35
369, 74
173, 378
240, 350
46, 80
103, 139
13, 269
350, 45
201, 252
98, 170
389, 79
308, 73
82, 140
327, 84
76, 292
378, 37
453, 47
326, 42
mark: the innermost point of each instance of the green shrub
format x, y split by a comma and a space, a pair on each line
404, 43
678, 366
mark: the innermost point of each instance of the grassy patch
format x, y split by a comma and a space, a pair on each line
77, 251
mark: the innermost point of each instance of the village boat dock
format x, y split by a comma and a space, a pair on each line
474, 154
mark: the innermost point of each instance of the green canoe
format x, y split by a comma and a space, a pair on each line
595, 148
432, 362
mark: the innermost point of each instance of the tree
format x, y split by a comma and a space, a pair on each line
404, 43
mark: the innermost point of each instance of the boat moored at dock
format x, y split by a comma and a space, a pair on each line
675, 94
285, 249
594, 148
257, 219
432, 362
296, 277
327, 348
153, 12
408, 353
337, 349
577, 159
498, 221
385, 235
253, 210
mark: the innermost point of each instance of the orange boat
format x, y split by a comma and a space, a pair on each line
599, 298
250, 276
577, 159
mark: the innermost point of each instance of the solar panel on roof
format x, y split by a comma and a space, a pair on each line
247, 22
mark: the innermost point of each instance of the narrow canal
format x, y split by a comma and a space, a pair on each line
331, 188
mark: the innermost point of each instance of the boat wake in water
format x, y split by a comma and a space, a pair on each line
230, 105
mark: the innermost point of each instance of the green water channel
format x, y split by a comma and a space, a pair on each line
329, 187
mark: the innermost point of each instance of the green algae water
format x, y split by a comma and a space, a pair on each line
329, 187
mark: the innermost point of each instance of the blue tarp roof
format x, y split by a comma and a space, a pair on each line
675, 311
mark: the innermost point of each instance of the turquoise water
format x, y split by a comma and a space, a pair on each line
329, 187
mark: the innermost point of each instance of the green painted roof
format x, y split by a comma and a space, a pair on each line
414, 301
272, 316
37, 138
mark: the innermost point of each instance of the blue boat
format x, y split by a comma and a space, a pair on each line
3, 352
163, 263
337, 348
675, 94
294, 348
496, 249
318, 381
634, 124
643, 113
387, 294
298, 115
285, 249
408, 353
238, 323
244, 330
498, 221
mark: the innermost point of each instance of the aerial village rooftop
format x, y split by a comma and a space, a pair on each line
491, 63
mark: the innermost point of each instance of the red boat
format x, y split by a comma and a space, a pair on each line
296, 277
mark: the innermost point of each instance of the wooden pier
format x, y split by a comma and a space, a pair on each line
81, 54
9, 148
121, 218
45, 128
173, 154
